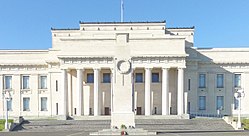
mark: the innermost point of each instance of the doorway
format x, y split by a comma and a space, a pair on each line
107, 111
139, 110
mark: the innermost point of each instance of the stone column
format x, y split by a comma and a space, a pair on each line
2, 98
147, 91
112, 82
80, 91
180, 91
165, 91
70, 94
185, 102
64, 92
96, 91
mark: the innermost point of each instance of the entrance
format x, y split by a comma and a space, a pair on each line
107, 111
139, 110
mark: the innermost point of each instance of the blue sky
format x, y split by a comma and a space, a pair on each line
26, 24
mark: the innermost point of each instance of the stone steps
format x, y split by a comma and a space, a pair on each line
159, 125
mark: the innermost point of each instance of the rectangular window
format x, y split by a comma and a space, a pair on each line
7, 82
189, 83
202, 102
236, 104
220, 103
220, 81
106, 78
188, 108
9, 105
26, 103
139, 78
237, 80
25, 82
90, 111
155, 77
44, 104
202, 80
56, 85
90, 78
57, 109
43, 82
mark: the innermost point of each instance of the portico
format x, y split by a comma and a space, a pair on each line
89, 91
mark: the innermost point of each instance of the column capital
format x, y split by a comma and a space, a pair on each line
165, 68
148, 68
96, 68
81, 69
181, 68
65, 69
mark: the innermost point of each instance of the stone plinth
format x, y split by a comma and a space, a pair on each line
119, 131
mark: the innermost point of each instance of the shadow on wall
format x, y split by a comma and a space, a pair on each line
215, 95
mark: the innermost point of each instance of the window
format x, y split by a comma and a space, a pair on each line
43, 82
202, 102
90, 111
220, 80
236, 104
90, 78
25, 82
8, 82
155, 77
57, 108
188, 107
189, 83
220, 103
139, 78
44, 104
26, 103
202, 80
56, 85
106, 78
9, 105
237, 80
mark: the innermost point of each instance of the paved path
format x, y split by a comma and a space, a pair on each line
246, 133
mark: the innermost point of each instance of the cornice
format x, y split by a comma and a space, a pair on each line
160, 56
81, 56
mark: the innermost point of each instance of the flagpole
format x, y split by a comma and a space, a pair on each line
122, 10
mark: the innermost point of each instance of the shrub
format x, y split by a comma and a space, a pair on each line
123, 126
245, 123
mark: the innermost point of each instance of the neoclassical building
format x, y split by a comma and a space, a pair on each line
169, 75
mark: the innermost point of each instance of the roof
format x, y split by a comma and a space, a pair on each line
192, 27
123, 22
65, 28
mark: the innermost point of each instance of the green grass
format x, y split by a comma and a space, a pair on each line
245, 123
2, 122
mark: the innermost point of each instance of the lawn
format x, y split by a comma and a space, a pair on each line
2, 122
245, 123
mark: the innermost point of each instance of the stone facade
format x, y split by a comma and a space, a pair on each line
170, 76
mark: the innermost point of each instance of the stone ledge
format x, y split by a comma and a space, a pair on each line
128, 132
62, 117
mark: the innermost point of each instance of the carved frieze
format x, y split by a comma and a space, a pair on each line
23, 67
235, 66
156, 60
90, 60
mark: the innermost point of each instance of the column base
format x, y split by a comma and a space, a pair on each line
185, 116
62, 117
